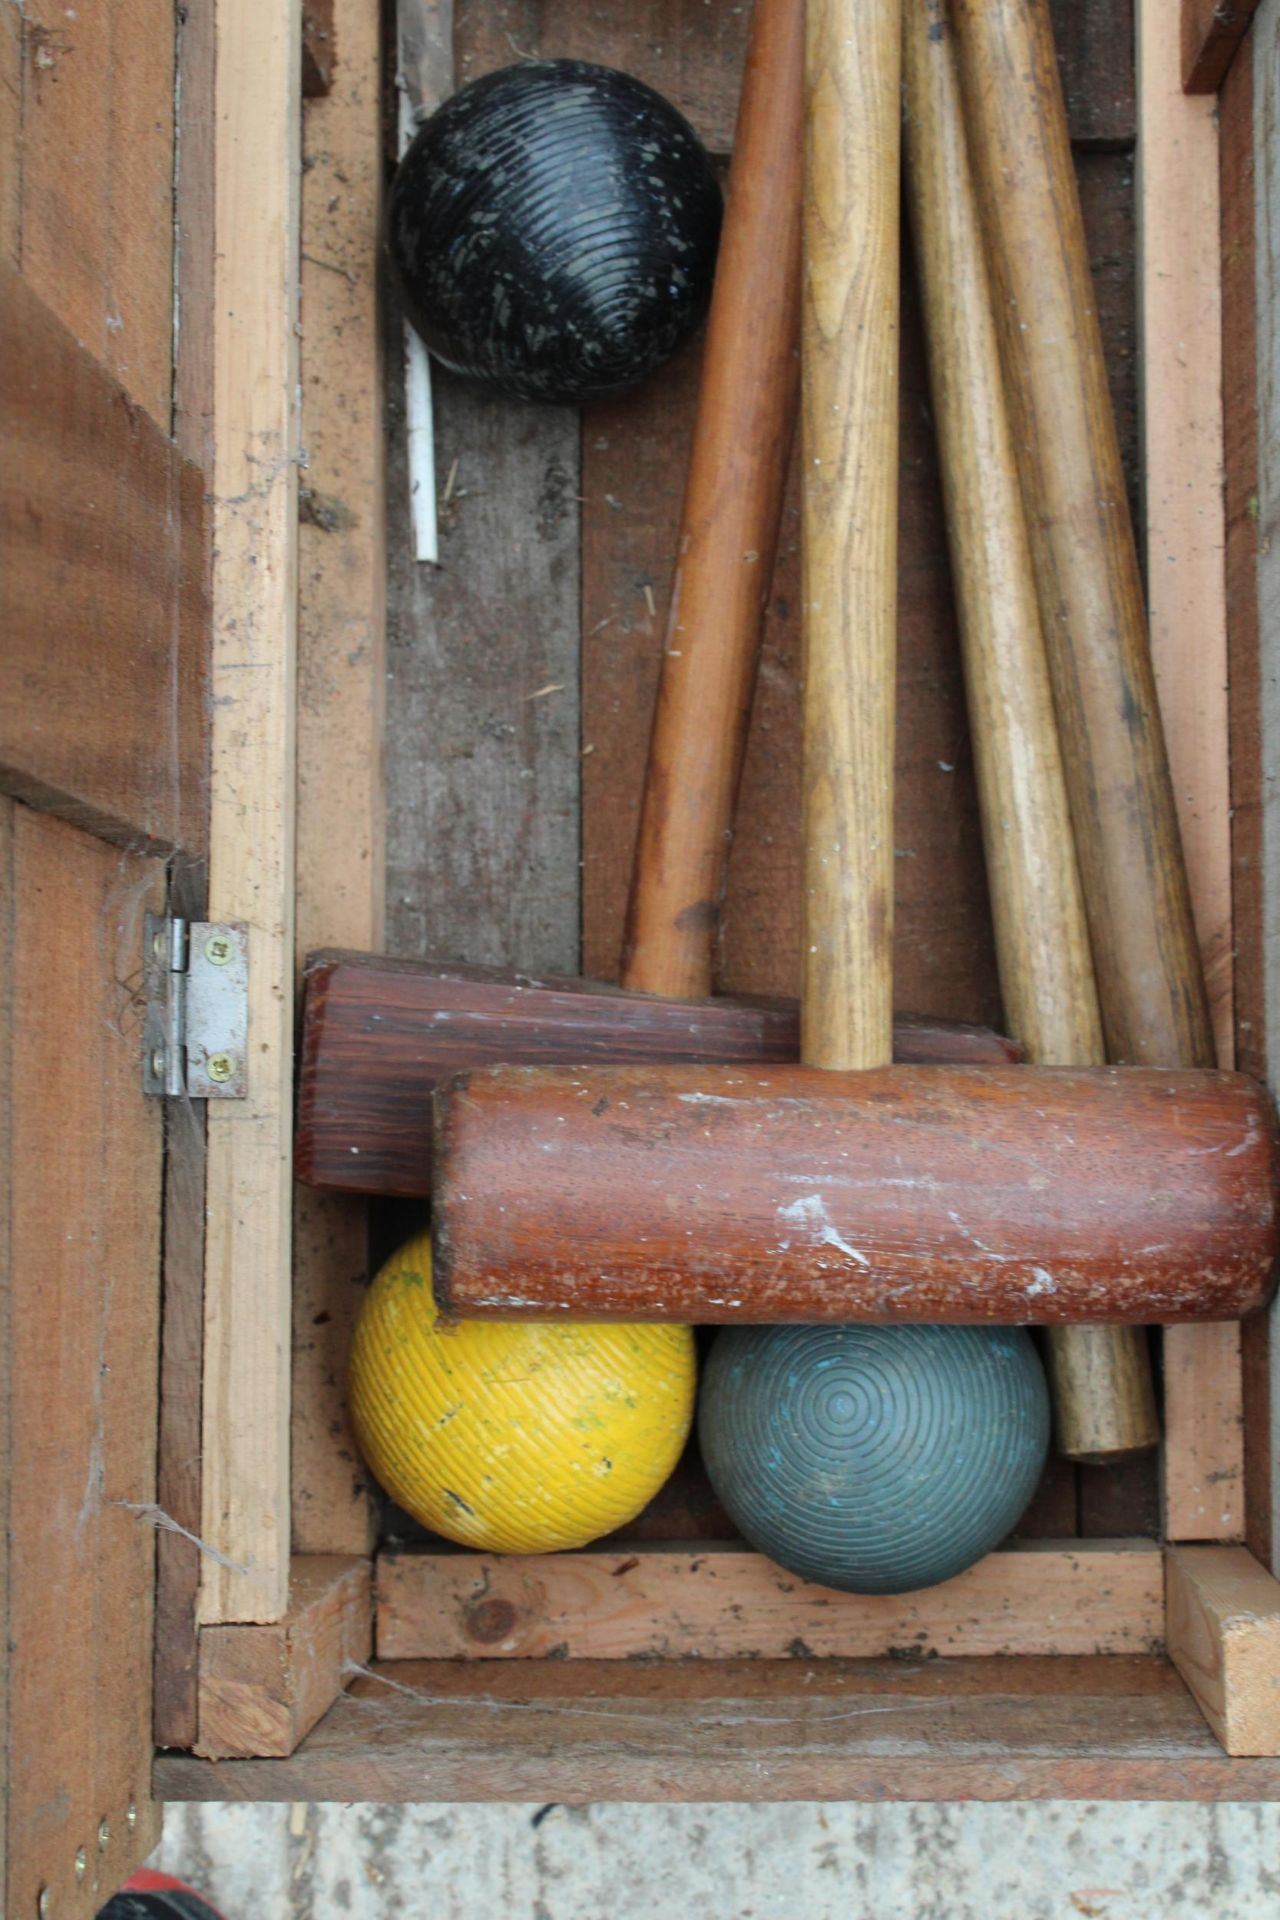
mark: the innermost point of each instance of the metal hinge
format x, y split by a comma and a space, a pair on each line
197, 1025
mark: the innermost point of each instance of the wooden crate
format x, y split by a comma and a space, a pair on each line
212, 591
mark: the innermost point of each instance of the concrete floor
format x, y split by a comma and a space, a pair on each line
1053, 1861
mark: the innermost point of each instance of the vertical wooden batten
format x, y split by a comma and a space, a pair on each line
1266, 508
1180, 327
255, 292
341, 852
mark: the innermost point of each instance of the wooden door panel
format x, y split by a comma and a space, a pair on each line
82, 1305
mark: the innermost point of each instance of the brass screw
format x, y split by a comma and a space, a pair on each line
82, 1863
217, 949
221, 1066
104, 1835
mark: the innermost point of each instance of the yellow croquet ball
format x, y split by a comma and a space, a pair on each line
514, 1437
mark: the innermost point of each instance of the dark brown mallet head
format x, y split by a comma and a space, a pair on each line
997, 1194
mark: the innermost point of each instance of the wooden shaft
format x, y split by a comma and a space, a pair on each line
1150, 981
850, 452
1044, 1194
378, 1034
1104, 1399
745, 424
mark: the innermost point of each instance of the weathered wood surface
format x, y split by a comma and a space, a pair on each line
89, 181
1212, 32
80, 1178
262, 1688
1122, 1728
245, 1487
728, 1603
102, 594
1028, 1194
1224, 1639
341, 799
378, 1034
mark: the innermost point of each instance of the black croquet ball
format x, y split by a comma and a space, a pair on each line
874, 1459
553, 228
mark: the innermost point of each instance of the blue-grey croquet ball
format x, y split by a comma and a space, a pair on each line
874, 1459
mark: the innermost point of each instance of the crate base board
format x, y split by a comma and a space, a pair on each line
1102, 1728
722, 1602
262, 1688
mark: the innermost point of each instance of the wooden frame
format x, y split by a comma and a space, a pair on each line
1054, 1680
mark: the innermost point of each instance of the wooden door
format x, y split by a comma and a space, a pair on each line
103, 800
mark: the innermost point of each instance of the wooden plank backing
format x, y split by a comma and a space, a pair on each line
580, 1731
1212, 31
102, 594
82, 1180
1264, 506
1224, 1639
724, 1603
341, 825
251, 844
263, 1688
96, 207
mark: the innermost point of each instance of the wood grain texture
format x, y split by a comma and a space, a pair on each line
1224, 1639
1028, 1194
341, 799
1212, 31
725, 1603
378, 1034
849, 410
730, 523
1149, 979
1244, 662
1122, 1728
1180, 325
82, 1178
96, 232
1264, 506
262, 1688
245, 1490
1103, 1396
103, 530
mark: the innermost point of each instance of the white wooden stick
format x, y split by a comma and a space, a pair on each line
424, 77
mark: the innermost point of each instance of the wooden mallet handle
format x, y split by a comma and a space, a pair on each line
1104, 1400
850, 452
1150, 980
743, 430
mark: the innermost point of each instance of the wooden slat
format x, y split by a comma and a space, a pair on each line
97, 183
1224, 1639
1212, 31
11, 36
102, 599
1018, 1729
262, 1688
82, 1178
1264, 506
723, 1603
341, 851
246, 1381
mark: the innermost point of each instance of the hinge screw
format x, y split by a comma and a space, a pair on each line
42, 1903
157, 1063
157, 945
82, 1863
217, 949
221, 1066
104, 1835
131, 1816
